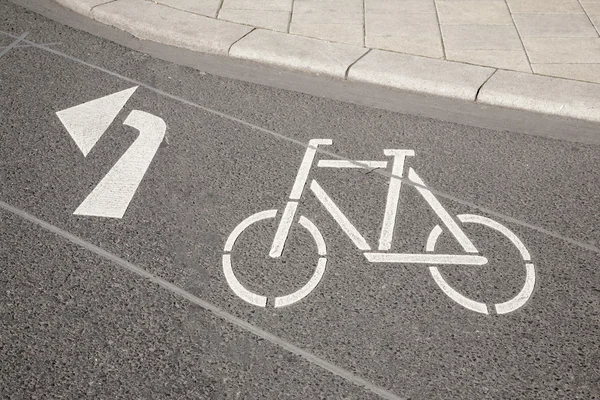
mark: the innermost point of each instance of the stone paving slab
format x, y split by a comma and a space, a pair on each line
151, 21
447, 48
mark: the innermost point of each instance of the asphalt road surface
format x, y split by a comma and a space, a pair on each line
423, 259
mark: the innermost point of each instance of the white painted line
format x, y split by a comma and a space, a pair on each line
393, 196
217, 311
238, 288
306, 289
246, 223
523, 295
352, 164
87, 122
457, 297
260, 300
447, 259
502, 308
272, 133
478, 219
283, 229
290, 208
111, 197
316, 234
460, 236
447, 289
305, 165
339, 217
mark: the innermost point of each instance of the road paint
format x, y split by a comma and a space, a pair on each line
306, 289
281, 301
316, 234
388, 224
447, 259
447, 289
500, 228
283, 229
523, 296
217, 311
87, 122
339, 217
259, 216
352, 164
270, 132
441, 212
238, 288
111, 197
305, 165
501, 308
391, 204
290, 209
383, 172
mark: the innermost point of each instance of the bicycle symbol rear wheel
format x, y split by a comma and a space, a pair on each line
281, 301
500, 308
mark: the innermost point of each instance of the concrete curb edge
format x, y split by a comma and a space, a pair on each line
490, 86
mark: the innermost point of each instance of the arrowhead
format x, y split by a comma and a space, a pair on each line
87, 122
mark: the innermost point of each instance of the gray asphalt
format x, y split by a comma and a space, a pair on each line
77, 322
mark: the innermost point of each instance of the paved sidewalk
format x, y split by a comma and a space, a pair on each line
538, 55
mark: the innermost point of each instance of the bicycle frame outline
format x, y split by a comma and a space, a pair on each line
389, 220
389, 217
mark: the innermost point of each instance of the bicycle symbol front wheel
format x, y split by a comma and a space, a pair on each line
281, 301
501, 308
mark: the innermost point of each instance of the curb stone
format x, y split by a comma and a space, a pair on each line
508, 89
297, 52
542, 94
151, 21
420, 74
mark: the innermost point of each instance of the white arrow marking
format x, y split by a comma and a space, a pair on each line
111, 197
87, 122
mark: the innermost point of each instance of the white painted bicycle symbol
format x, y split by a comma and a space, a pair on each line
431, 258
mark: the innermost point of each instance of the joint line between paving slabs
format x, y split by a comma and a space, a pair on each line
102, 4
512, 18
437, 16
588, 17
484, 82
385, 173
217, 311
229, 49
219, 8
289, 26
354, 62
13, 44
364, 25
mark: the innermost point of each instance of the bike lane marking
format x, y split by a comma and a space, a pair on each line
87, 122
455, 199
240, 215
355, 236
111, 197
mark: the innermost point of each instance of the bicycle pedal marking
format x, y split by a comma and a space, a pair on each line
470, 257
